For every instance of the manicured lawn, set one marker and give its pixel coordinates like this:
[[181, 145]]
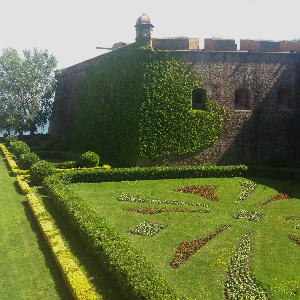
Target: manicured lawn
[[27, 270], [275, 259]]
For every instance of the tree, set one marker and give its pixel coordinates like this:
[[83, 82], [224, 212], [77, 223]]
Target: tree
[[27, 87]]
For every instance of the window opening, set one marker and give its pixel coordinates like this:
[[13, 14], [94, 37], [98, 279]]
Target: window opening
[[199, 98], [242, 99], [284, 99]]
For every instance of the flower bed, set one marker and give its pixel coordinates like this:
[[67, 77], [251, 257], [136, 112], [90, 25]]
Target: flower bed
[[185, 249], [250, 186], [147, 229], [238, 283], [279, 196], [205, 191], [248, 215], [150, 211], [131, 198], [295, 240]]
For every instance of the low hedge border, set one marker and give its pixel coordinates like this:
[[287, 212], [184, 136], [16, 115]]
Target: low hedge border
[[75, 279], [25, 188], [10, 159]]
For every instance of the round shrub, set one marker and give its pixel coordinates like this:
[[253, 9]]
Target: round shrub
[[20, 148], [89, 160], [27, 160], [41, 170], [9, 139]]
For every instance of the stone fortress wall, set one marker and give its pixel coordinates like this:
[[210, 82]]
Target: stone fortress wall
[[258, 85]]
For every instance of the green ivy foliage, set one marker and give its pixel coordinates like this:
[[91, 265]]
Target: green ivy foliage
[[138, 103], [168, 123]]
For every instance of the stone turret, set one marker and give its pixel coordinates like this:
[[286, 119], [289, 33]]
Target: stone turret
[[143, 27]]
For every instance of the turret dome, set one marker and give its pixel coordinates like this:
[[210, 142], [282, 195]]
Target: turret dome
[[144, 19]]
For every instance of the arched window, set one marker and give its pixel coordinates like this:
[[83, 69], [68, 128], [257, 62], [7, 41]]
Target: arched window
[[199, 98], [284, 99], [242, 99]]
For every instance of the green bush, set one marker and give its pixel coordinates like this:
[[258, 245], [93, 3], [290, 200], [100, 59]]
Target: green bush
[[89, 160], [9, 139], [277, 160], [19, 148], [27, 160], [40, 170], [67, 164], [70, 155]]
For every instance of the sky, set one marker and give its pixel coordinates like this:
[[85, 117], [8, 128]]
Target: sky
[[71, 30]]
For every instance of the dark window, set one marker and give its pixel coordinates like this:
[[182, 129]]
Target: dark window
[[242, 99], [199, 98], [284, 99]]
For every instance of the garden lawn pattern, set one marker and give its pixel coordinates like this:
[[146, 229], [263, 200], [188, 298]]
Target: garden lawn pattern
[[276, 276]]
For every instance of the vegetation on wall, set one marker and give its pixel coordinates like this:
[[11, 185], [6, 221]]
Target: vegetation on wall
[[138, 103]]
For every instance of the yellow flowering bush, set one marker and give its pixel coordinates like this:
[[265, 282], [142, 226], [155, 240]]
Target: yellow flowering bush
[[25, 188], [73, 169], [74, 277]]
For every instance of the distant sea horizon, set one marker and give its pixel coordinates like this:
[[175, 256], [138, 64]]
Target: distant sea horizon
[[40, 130]]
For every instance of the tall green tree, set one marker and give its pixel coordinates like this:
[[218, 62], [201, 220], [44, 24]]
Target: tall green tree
[[27, 87]]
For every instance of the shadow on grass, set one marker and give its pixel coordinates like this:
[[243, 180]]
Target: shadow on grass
[[279, 185], [101, 281]]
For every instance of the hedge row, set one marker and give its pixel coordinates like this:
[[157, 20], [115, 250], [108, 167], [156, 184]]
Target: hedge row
[[76, 280], [135, 277], [131, 174]]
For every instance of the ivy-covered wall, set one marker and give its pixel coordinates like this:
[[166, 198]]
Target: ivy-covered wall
[[136, 103]]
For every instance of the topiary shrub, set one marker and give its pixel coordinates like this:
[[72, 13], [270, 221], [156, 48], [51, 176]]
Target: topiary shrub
[[9, 139], [40, 170], [27, 160], [19, 148], [277, 160], [89, 159]]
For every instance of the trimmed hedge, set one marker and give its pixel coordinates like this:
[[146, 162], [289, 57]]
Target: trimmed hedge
[[19, 148], [27, 160], [40, 170], [68, 156], [10, 139], [89, 159], [154, 173]]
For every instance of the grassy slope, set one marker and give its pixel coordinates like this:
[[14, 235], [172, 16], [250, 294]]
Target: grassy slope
[[27, 268], [275, 259]]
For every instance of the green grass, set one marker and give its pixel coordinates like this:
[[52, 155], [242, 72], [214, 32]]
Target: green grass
[[275, 259], [27, 269]]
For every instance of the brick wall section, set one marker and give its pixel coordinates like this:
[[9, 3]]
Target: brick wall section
[[209, 44], [266, 46], [219, 45], [175, 44], [287, 46], [246, 45]]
